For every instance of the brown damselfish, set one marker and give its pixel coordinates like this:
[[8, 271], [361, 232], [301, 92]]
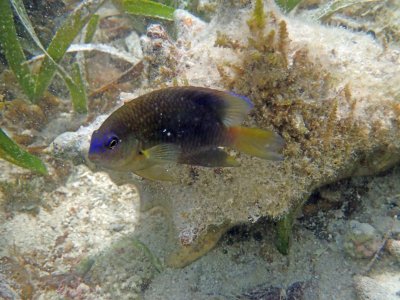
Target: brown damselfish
[[185, 125]]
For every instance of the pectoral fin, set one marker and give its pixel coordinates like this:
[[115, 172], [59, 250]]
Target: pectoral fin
[[156, 172], [162, 153]]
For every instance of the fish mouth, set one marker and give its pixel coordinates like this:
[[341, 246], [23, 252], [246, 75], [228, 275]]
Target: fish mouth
[[99, 161], [94, 157]]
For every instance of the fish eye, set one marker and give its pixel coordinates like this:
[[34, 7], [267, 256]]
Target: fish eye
[[114, 141]]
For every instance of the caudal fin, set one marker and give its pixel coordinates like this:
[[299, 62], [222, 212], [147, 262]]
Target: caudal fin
[[257, 142]]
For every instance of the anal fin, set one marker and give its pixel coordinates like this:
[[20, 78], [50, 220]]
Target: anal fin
[[155, 172], [214, 157]]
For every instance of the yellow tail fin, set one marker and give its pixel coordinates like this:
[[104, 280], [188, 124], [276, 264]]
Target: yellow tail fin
[[257, 142]]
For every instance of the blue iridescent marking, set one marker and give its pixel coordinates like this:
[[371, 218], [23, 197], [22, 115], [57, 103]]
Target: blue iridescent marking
[[246, 99], [95, 144]]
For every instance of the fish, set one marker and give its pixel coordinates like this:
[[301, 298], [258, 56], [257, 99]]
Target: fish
[[184, 125]]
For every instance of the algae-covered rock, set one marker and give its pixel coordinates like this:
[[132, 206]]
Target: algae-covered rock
[[333, 95]]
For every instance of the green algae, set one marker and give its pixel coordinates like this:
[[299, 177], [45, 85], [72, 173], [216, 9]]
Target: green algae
[[287, 5], [146, 8], [13, 50], [35, 85], [78, 91], [155, 261], [331, 8], [91, 28], [257, 20], [11, 152], [84, 266], [284, 233], [63, 38]]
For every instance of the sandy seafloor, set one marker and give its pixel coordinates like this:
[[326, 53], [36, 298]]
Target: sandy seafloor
[[92, 217]]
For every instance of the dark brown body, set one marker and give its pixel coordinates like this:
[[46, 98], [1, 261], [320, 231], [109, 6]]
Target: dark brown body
[[187, 125], [171, 116]]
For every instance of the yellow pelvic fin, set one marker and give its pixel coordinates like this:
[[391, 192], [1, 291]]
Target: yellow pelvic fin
[[162, 153], [156, 172], [257, 142]]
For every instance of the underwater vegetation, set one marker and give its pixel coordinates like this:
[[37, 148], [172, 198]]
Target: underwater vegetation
[[146, 8], [11, 152], [380, 19], [35, 81], [288, 5]]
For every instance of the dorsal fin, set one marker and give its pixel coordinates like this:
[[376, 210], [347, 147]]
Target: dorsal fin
[[236, 110]]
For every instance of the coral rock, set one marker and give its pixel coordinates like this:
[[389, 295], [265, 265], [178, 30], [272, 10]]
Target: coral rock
[[332, 94], [329, 92]]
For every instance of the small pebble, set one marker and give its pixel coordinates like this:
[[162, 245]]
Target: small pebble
[[362, 240], [117, 227], [393, 247]]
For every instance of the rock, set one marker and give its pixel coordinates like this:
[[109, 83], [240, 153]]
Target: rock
[[207, 6], [117, 227], [393, 247], [75, 145], [362, 240], [302, 290], [62, 123], [188, 26], [132, 42], [383, 286], [264, 293], [6, 292], [161, 53], [328, 79], [296, 291]]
